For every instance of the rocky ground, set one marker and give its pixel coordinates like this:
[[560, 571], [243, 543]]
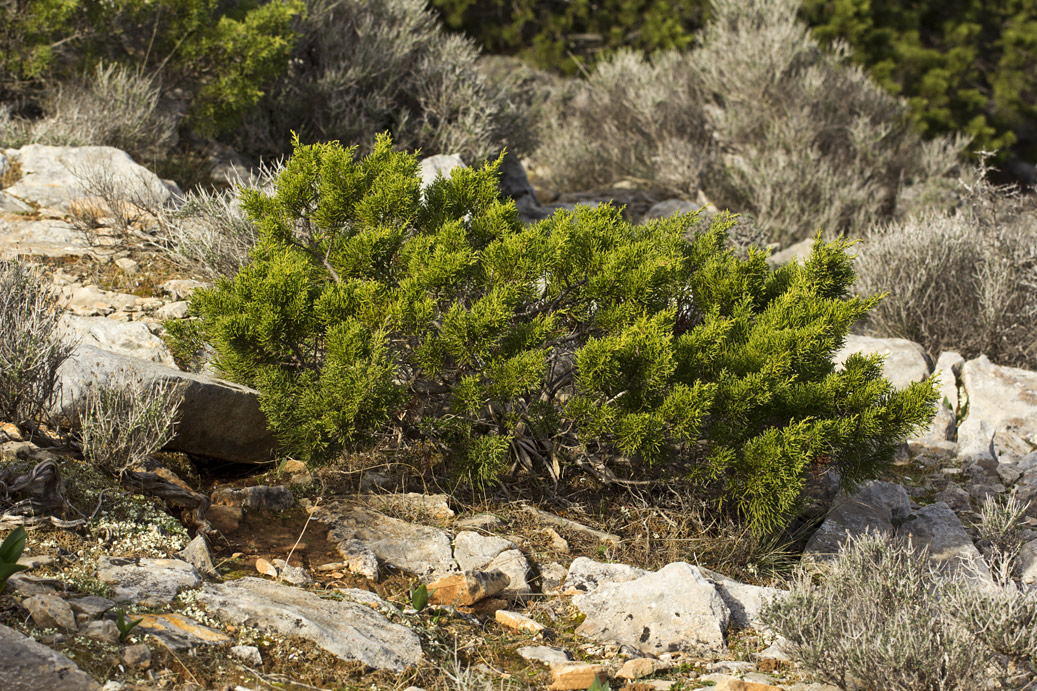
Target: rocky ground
[[245, 575]]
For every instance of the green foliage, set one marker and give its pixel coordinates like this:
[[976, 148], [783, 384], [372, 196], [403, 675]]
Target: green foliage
[[375, 312], [567, 36], [963, 66], [419, 596], [223, 55], [125, 625], [10, 551]]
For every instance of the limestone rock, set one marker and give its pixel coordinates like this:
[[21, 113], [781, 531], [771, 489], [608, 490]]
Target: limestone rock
[[513, 564], [358, 558], [91, 605], [420, 550], [247, 653], [474, 551], [955, 497], [797, 252], [132, 339], [42, 238], [675, 609], [197, 555], [151, 582], [137, 656], [576, 675], [218, 419], [640, 667], [1005, 398], [517, 622], [905, 361], [179, 633], [440, 164], [53, 176], [103, 630], [479, 521], [26, 665], [937, 529], [876, 506], [552, 575], [466, 588], [744, 600], [181, 288], [735, 684], [1026, 563], [348, 630], [976, 442], [544, 654], [50, 612], [257, 498], [669, 208], [585, 575]]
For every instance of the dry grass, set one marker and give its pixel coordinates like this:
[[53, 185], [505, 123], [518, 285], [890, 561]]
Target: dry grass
[[963, 280]]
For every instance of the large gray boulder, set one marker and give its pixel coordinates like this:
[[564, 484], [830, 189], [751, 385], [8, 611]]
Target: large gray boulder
[[26, 665], [675, 609], [1005, 398], [416, 549], [348, 630], [218, 419], [877, 507], [53, 176], [905, 361]]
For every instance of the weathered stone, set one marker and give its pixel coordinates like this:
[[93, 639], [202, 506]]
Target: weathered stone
[[466, 588], [132, 339], [513, 564], [197, 555], [937, 529], [669, 208], [218, 419], [180, 633], [876, 507], [744, 600], [568, 524], [976, 442], [137, 656], [103, 630], [675, 609], [293, 575], [544, 654], [180, 288], [247, 653], [26, 665], [53, 176], [424, 505], [474, 551], [735, 684], [50, 612], [905, 361], [257, 498], [439, 165], [480, 521], [172, 310], [358, 558], [151, 582], [796, 252], [585, 575], [416, 549], [224, 519], [552, 575], [91, 605], [1026, 563], [517, 622], [345, 629], [576, 675], [641, 667], [955, 497], [42, 238], [1005, 398], [514, 184]]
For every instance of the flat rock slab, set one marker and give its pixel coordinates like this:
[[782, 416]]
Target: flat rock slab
[[348, 630], [585, 575], [905, 361], [151, 582], [41, 238], [53, 176], [675, 609], [26, 665], [132, 339], [180, 633], [937, 529], [877, 507], [218, 419], [417, 549], [1005, 398], [474, 551]]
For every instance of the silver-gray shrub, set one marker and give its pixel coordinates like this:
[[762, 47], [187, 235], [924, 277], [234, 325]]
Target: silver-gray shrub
[[31, 348], [124, 422], [757, 116], [362, 68], [880, 617], [963, 279]]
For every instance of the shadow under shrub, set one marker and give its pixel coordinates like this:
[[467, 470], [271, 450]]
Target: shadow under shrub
[[963, 280], [372, 312]]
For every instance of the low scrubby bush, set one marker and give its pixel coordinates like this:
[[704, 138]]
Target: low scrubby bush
[[123, 423], [757, 116], [963, 280], [361, 68], [31, 348], [882, 617], [374, 311]]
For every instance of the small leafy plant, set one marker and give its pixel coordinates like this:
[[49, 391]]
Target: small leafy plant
[[419, 596], [10, 551], [124, 624]]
